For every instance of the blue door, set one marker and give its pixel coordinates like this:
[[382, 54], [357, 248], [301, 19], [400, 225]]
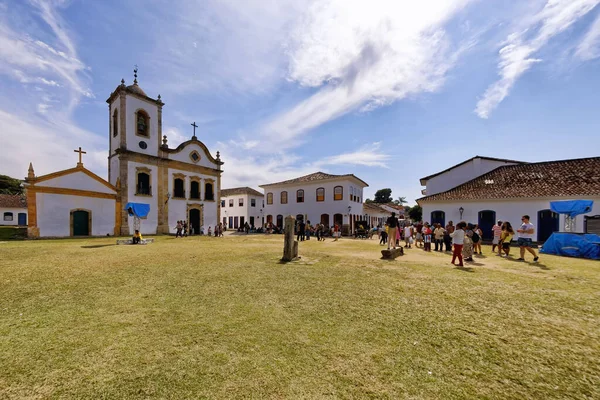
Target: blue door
[[22, 219], [487, 219], [438, 217]]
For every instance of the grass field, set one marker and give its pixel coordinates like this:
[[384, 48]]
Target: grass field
[[222, 318]]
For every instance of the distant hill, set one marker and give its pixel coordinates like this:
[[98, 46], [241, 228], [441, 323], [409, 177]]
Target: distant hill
[[10, 185]]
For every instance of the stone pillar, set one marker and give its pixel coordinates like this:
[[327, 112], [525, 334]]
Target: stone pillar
[[290, 246]]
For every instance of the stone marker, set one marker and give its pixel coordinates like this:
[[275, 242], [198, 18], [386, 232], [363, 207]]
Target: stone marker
[[290, 246], [392, 253]]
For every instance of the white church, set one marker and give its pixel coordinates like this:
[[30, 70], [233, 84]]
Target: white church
[[173, 184]]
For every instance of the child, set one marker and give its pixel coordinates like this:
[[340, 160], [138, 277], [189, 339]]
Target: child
[[137, 237], [209, 231], [505, 238], [477, 239], [408, 233], [458, 238], [426, 231], [336, 231], [383, 237]]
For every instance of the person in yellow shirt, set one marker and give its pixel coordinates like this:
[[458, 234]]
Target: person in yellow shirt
[[137, 237], [505, 238]]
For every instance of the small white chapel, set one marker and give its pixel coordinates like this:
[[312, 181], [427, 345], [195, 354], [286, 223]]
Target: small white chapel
[[171, 184]]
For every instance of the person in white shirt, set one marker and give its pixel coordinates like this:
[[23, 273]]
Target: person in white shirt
[[458, 239], [408, 232], [526, 238]]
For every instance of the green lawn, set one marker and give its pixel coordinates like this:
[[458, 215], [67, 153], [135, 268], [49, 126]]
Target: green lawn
[[222, 318]]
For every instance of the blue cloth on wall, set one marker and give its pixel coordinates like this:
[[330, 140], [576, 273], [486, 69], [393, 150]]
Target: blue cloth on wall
[[573, 245], [572, 207], [139, 209]]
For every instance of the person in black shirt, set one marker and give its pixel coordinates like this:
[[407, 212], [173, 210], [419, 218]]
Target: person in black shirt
[[392, 223]]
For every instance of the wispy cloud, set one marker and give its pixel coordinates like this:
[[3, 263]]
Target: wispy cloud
[[517, 53], [368, 156], [589, 48]]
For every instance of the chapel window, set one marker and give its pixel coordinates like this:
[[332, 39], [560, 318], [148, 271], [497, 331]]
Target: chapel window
[[269, 198], [178, 188], [283, 197], [300, 196], [8, 216], [338, 193], [230, 202], [321, 194], [115, 123], [143, 184], [208, 192], [142, 123], [195, 190]]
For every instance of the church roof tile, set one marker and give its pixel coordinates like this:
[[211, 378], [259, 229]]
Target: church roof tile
[[563, 178]]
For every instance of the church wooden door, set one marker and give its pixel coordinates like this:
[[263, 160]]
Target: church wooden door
[[194, 220], [81, 223]]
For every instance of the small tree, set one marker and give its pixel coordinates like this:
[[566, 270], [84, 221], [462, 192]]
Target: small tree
[[415, 213], [10, 185], [383, 196]]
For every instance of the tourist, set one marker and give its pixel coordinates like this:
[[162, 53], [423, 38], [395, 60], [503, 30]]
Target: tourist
[[419, 234], [307, 230], [526, 238], [178, 229], [477, 239], [506, 238], [336, 231], [301, 226], [448, 235], [408, 236], [458, 237], [467, 251], [426, 231], [209, 233], [185, 228], [246, 228], [383, 237], [392, 223], [137, 237], [497, 230], [438, 235]]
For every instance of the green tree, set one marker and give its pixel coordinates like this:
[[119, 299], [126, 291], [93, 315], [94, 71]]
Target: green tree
[[415, 213], [10, 185], [368, 201], [383, 196]]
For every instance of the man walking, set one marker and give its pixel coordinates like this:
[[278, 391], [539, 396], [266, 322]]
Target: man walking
[[526, 238], [392, 223], [448, 236]]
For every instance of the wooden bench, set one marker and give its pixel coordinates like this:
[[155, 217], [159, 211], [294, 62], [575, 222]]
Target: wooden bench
[[130, 241], [392, 253]]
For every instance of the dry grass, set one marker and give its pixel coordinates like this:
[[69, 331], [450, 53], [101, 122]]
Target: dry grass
[[222, 318]]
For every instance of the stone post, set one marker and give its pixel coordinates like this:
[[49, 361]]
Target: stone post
[[290, 246]]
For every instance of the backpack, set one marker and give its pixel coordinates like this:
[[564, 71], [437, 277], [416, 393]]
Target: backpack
[[475, 237]]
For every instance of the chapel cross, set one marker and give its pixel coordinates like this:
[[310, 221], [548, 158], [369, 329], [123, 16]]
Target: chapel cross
[[195, 126], [80, 164]]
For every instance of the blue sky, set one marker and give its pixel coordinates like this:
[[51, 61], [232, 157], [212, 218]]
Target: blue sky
[[388, 90]]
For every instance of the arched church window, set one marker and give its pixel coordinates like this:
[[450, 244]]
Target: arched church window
[[142, 123], [115, 123], [178, 188], [208, 191], [142, 185]]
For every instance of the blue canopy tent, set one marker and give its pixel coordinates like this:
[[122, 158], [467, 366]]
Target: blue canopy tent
[[137, 211], [569, 243]]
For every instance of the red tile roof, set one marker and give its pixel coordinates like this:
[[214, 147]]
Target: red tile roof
[[12, 201], [240, 190], [564, 178], [317, 176], [424, 180]]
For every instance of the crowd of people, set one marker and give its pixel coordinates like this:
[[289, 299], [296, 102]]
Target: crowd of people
[[463, 240], [183, 229]]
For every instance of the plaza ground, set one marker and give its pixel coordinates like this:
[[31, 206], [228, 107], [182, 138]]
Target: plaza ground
[[222, 318]]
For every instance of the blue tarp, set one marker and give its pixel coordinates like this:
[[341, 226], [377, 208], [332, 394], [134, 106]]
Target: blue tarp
[[573, 245], [139, 209], [572, 207]]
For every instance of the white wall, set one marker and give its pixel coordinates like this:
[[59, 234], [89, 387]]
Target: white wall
[[462, 174], [78, 180], [114, 141], [54, 214], [245, 211], [178, 207], [184, 156], [132, 105], [311, 208], [506, 210], [114, 170], [15, 212], [148, 225]]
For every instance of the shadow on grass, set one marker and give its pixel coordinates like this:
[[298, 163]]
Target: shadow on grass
[[97, 246], [465, 269]]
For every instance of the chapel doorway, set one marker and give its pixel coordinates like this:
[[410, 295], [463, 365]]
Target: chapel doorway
[[547, 224], [487, 220], [194, 219], [438, 217], [80, 223]]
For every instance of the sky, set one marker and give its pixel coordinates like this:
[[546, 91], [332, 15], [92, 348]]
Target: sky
[[388, 90]]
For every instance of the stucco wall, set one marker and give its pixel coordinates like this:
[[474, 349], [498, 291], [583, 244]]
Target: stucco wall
[[506, 210], [133, 104], [149, 224], [114, 141], [184, 156], [53, 214], [178, 207], [245, 211], [77, 180], [462, 174], [15, 212]]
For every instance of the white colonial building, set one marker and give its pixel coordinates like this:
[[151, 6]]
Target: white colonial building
[[319, 197], [241, 205], [13, 210], [180, 183], [486, 190]]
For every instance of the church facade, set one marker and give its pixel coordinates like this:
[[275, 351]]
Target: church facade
[[181, 183]]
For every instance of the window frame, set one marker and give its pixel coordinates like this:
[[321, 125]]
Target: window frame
[[175, 179], [322, 196], [230, 202], [240, 202], [147, 116], [269, 198], [7, 215], [300, 199], [341, 194], [252, 202], [281, 197]]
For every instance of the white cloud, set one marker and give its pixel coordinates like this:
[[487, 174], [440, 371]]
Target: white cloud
[[516, 55], [589, 48], [368, 156]]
